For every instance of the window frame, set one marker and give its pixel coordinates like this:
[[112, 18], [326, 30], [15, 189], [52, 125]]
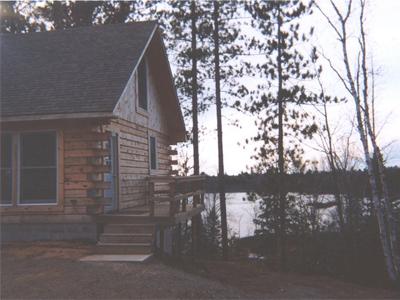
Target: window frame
[[12, 170], [19, 148], [16, 156], [140, 109], [155, 154]]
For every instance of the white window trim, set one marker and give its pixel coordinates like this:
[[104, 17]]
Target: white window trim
[[19, 169]]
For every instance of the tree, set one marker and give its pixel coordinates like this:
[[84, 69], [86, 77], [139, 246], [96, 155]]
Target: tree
[[67, 14], [225, 71], [12, 21], [277, 102], [357, 85], [184, 27], [221, 171], [211, 230]]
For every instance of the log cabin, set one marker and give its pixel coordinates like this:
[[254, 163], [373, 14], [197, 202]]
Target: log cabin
[[89, 122]]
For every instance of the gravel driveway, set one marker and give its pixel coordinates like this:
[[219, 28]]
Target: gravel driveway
[[53, 271]]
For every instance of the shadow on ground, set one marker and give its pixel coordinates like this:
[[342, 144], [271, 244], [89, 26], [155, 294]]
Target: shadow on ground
[[53, 270]]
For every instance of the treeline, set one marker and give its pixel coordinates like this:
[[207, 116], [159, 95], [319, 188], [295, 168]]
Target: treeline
[[311, 182]]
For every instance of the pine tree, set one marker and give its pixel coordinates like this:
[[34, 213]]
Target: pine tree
[[69, 14], [282, 123], [13, 21]]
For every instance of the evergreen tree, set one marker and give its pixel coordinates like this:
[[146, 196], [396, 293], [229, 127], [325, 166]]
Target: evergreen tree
[[282, 122], [62, 14], [224, 39], [13, 21]]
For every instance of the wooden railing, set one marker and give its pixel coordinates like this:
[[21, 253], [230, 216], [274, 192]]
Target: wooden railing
[[183, 193]]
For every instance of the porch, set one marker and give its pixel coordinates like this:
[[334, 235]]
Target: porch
[[170, 201]]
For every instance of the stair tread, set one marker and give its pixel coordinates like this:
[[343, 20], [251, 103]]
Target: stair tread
[[127, 234], [130, 224], [130, 215], [123, 244]]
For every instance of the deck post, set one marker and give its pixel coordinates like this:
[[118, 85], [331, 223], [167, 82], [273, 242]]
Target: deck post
[[161, 249], [178, 248], [195, 235], [184, 202], [172, 203]]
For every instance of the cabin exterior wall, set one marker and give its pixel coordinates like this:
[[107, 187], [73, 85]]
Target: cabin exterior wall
[[134, 164], [135, 126], [71, 217]]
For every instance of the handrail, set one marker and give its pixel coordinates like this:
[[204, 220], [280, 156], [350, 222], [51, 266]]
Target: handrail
[[180, 188], [167, 178]]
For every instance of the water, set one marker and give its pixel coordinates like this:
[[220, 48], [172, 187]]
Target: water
[[240, 213]]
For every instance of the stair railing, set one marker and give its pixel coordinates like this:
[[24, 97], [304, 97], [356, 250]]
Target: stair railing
[[176, 190]]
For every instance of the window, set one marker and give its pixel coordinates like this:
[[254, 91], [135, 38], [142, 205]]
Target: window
[[6, 169], [142, 84], [38, 168], [153, 153]]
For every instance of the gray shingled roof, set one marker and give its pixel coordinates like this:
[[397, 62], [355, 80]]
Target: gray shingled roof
[[80, 70]]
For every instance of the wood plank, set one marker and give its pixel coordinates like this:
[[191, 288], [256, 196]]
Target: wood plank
[[87, 136], [87, 169], [75, 161], [134, 157], [80, 145], [121, 123], [81, 193], [134, 190], [31, 208], [133, 170], [87, 153], [133, 138], [87, 201], [49, 217], [79, 210], [134, 145], [134, 163], [128, 150], [84, 185]]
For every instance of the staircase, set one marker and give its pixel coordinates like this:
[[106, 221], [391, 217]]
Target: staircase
[[127, 234]]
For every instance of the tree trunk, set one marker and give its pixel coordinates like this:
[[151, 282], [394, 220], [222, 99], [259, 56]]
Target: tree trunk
[[224, 226], [281, 158], [383, 234], [196, 168]]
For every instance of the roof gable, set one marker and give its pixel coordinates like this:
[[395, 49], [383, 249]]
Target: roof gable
[[80, 70]]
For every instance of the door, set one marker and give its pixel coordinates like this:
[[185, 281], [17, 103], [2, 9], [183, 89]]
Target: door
[[112, 177]]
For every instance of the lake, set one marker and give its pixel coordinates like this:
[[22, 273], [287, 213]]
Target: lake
[[241, 212]]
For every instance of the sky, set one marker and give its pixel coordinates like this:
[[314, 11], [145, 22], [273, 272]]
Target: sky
[[384, 42]]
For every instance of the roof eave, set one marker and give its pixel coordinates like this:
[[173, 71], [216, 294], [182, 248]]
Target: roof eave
[[50, 117]]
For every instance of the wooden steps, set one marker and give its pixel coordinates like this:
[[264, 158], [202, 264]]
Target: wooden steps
[[128, 228], [126, 233], [126, 238], [124, 248], [126, 219]]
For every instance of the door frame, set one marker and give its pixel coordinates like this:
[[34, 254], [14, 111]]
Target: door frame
[[114, 159]]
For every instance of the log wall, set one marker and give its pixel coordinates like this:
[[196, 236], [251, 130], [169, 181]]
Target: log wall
[[134, 165], [81, 165]]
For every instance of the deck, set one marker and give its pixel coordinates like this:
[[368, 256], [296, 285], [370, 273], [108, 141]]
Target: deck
[[171, 200]]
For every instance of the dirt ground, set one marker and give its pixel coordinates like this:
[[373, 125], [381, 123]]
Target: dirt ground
[[53, 271]]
